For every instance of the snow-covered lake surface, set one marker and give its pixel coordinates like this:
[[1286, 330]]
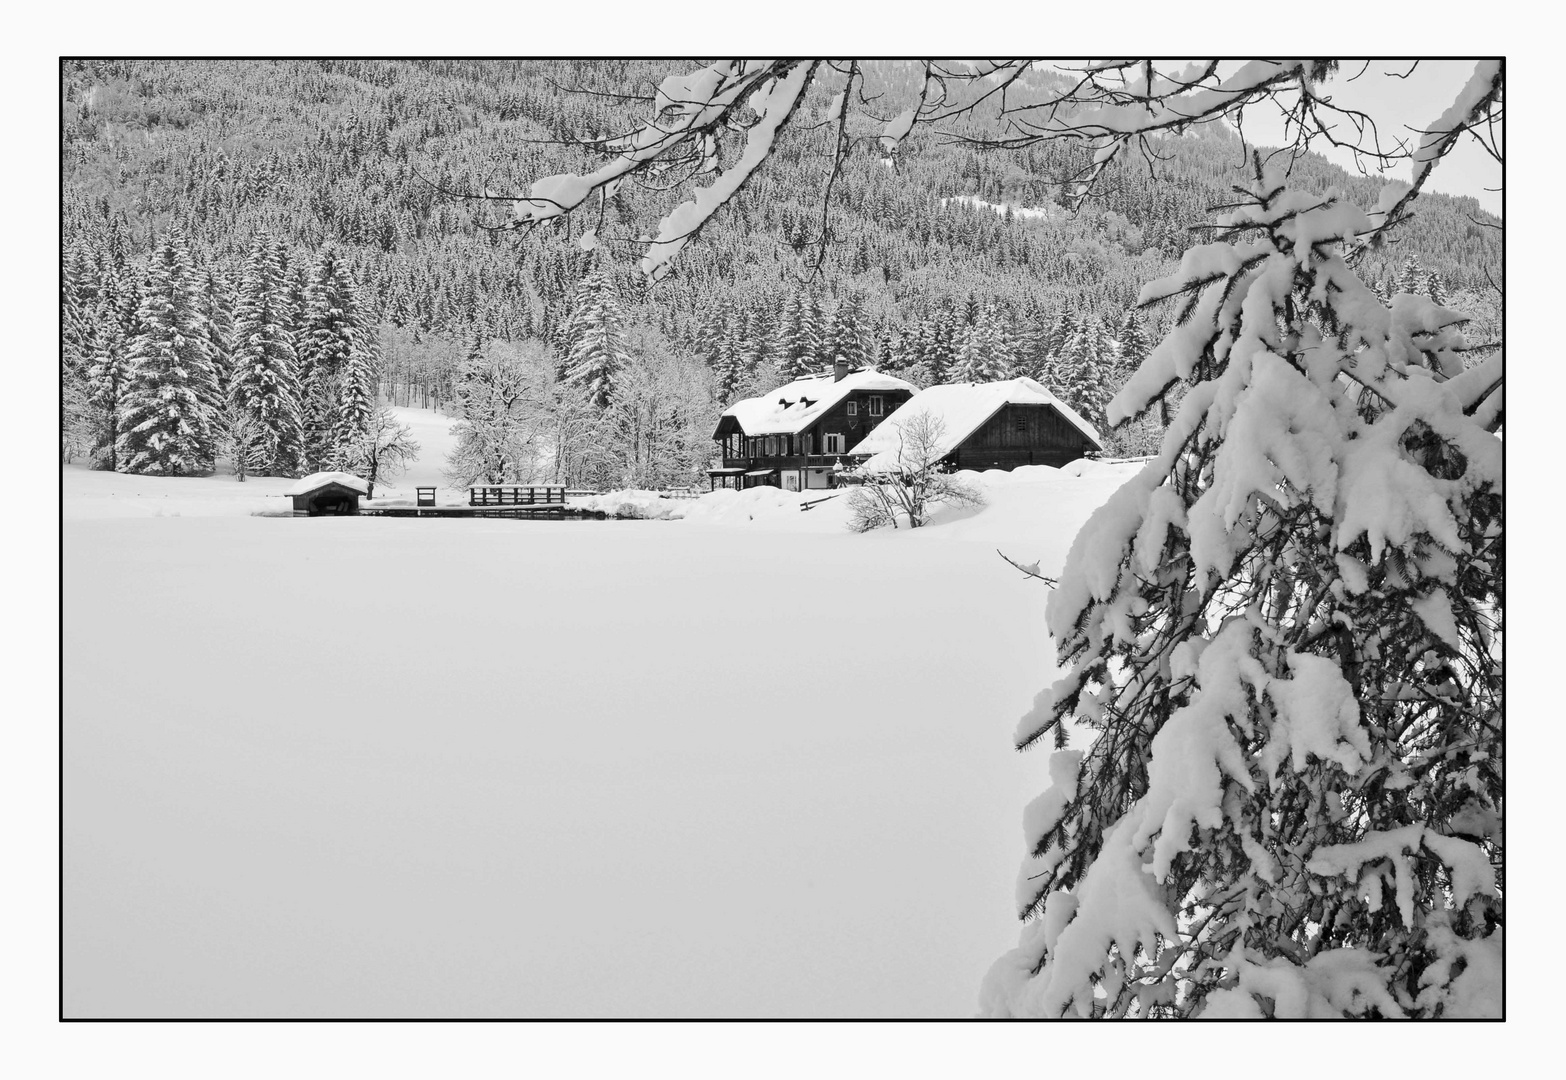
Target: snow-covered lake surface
[[743, 764]]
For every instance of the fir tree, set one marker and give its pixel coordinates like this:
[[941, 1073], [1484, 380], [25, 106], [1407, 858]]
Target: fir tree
[[105, 385], [330, 329], [1061, 332], [76, 350], [264, 386], [356, 401], [1082, 376], [984, 356], [1412, 279], [597, 339], [216, 307], [1283, 637], [165, 426], [846, 337], [1133, 342]]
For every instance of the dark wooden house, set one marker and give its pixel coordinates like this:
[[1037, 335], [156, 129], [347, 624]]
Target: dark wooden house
[[999, 425], [328, 493], [795, 436]]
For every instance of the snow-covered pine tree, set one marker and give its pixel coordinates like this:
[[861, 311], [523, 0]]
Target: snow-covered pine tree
[[846, 336], [944, 346], [1061, 331], [114, 328], [105, 383], [1283, 637], [165, 425], [264, 384], [217, 307], [1434, 288], [757, 349], [984, 356], [1412, 279], [1082, 375], [356, 400], [798, 347], [597, 338], [1133, 342], [1033, 359], [76, 351], [330, 329]]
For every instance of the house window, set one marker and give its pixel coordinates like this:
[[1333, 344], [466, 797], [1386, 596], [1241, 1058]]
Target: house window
[[834, 443], [1021, 421], [875, 405], [853, 408]]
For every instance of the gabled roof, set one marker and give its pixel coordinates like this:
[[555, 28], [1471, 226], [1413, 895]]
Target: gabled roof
[[315, 481], [963, 408], [790, 409]]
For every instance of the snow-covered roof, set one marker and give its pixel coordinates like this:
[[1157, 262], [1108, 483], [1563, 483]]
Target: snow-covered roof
[[962, 409], [791, 409], [314, 481]]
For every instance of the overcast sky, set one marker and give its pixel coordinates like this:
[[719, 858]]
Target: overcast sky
[[1398, 105]]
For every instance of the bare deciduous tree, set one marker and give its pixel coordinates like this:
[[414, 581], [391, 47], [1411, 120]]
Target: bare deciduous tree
[[384, 449], [909, 483]]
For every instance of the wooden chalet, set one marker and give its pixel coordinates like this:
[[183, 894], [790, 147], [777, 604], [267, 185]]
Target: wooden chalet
[[327, 493], [998, 425], [794, 437]]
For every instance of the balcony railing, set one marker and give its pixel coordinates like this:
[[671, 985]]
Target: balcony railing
[[785, 461]]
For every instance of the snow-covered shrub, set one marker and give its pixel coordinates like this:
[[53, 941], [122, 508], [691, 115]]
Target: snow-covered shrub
[[1284, 636]]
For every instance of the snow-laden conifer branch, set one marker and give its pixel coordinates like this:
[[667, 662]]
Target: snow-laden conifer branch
[[1284, 637]]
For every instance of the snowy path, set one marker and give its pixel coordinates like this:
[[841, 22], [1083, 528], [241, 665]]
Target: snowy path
[[755, 773]]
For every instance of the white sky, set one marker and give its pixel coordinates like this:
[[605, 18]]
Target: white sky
[[1399, 104], [1402, 97]]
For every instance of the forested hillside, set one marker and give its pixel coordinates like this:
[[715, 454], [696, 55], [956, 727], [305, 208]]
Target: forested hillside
[[954, 261]]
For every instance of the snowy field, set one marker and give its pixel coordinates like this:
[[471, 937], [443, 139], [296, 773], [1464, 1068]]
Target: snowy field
[[741, 764]]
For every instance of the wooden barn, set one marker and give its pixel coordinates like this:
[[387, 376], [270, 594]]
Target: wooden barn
[[999, 425], [328, 493], [794, 436]]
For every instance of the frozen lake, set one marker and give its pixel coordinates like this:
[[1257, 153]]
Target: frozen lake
[[378, 767]]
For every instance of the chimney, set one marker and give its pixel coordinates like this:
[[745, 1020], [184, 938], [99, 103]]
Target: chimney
[[839, 369]]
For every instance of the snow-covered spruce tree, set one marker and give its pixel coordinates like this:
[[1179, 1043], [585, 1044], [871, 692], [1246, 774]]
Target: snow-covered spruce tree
[[165, 426], [216, 308], [355, 399], [77, 346], [984, 356], [109, 366], [263, 382], [596, 338], [1132, 347], [1082, 376], [1284, 637], [330, 328], [845, 337]]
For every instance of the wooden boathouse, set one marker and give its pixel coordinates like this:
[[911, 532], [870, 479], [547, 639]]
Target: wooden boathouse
[[327, 494]]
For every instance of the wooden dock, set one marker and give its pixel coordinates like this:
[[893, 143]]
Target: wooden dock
[[489, 501], [546, 510]]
